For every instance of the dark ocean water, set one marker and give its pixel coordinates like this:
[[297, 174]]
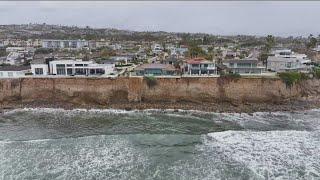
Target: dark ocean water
[[154, 144]]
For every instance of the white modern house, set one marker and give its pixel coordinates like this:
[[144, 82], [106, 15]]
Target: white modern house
[[40, 69], [64, 44], [72, 68], [287, 60]]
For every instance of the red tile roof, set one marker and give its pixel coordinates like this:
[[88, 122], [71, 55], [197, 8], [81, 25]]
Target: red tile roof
[[195, 60]]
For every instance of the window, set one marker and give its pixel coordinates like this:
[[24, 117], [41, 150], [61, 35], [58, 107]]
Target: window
[[61, 70], [288, 65], [60, 65], [69, 71], [10, 74], [38, 71], [1, 74], [80, 71], [100, 71], [244, 64], [66, 44]]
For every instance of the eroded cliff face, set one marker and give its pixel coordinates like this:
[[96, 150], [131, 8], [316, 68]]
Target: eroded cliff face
[[104, 91]]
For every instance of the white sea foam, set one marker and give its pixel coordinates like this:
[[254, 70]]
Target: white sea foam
[[67, 158], [271, 154], [151, 110]]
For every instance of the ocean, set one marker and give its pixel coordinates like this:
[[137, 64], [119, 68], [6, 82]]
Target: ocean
[[158, 144]]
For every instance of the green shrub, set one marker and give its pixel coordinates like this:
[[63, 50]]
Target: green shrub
[[304, 76], [123, 65], [231, 75], [316, 73], [151, 81], [289, 78], [222, 73], [28, 74]]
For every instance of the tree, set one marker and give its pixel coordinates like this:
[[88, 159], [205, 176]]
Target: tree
[[270, 43], [263, 57], [3, 52], [195, 51], [206, 40], [312, 42], [210, 49], [105, 53]]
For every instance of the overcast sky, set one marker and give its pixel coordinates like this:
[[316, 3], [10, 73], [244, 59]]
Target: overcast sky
[[224, 18]]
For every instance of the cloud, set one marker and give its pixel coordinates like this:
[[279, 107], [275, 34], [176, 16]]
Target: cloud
[[225, 17]]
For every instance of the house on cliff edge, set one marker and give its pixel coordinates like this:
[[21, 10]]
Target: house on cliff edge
[[13, 71], [63, 67], [244, 66], [200, 66], [155, 70]]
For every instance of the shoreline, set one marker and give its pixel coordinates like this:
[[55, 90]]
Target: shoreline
[[223, 107]]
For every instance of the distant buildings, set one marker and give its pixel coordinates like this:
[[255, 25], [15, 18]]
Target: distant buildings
[[317, 49], [65, 44], [181, 50], [287, 60], [230, 54], [157, 48], [20, 43], [172, 60], [99, 44], [15, 49], [18, 55]]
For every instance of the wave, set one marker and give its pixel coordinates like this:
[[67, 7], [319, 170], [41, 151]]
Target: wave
[[298, 120], [220, 155], [121, 111], [271, 154]]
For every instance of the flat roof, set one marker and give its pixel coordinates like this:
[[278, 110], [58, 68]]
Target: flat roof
[[283, 59], [14, 68], [242, 60], [156, 66]]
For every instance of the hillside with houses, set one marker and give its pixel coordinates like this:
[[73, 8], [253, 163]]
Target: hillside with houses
[[35, 50]]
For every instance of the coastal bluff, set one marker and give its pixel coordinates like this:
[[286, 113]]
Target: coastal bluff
[[105, 91]]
